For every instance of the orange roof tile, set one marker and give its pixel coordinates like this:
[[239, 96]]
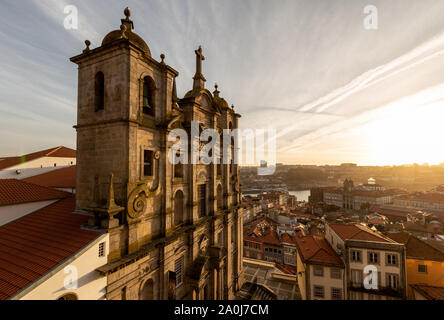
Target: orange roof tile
[[13, 191], [416, 248], [60, 152], [60, 178], [429, 292], [33, 245], [314, 250], [357, 232]]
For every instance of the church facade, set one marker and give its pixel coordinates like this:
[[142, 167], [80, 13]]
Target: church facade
[[175, 230]]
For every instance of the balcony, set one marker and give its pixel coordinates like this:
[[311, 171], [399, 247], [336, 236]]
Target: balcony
[[385, 291]]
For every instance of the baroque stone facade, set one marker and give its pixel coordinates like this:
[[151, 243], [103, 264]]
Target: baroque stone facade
[[175, 230]]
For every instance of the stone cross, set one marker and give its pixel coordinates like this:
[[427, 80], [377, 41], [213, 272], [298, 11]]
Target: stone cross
[[199, 59]]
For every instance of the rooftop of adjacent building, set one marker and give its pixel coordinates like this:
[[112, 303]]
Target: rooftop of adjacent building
[[358, 232], [13, 191], [419, 249], [32, 246], [316, 250], [429, 292], [59, 152], [60, 178]]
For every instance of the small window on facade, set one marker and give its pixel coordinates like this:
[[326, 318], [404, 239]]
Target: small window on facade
[[392, 259], [373, 257], [233, 234], [335, 273], [99, 92], [124, 293], [336, 294], [178, 168], [318, 271], [201, 193], [178, 266], [148, 163], [148, 97], [392, 281], [101, 249], [356, 256], [422, 268], [318, 291]]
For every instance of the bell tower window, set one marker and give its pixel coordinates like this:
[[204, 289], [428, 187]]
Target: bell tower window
[[99, 92], [148, 97], [148, 163]]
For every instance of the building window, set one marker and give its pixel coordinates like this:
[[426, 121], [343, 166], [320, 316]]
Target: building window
[[335, 273], [233, 234], [202, 199], [220, 239], [336, 294], [422, 268], [318, 291], [148, 96], [178, 268], [101, 249], [99, 92], [356, 277], [356, 256], [373, 257], [318, 271], [392, 281], [391, 260], [147, 163]]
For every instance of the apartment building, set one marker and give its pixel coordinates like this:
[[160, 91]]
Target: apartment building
[[363, 252], [320, 270]]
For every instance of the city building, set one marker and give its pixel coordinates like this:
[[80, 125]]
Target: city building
[[356, 198], [320, 269], [424, 261], [174, 230], [360, 247]]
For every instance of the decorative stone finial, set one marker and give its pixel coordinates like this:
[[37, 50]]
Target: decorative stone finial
[[232, 107], [123, 29], [216, 92], [162, 56], [88, 43], [127, 21], [127, 13]]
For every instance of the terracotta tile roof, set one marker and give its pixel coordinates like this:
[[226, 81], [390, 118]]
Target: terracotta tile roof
[[13, 191], [314, 250], [429, 292], [357, 232], [272, 238], [32, 246], [60, 178], [416, 248], [60, 152], [288, 238]]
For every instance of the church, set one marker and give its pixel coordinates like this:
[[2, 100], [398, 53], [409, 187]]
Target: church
[[175, 230]]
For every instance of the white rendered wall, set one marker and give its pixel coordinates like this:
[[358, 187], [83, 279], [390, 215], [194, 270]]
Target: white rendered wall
[[90, 286]]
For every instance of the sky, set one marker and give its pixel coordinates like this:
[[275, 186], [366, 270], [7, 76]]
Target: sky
[[334, 91]]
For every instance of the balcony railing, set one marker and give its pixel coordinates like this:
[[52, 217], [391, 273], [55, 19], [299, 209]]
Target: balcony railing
[[386, 291]]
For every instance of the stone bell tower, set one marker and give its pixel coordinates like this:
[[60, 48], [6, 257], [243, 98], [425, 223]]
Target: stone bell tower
[[124, 98]]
